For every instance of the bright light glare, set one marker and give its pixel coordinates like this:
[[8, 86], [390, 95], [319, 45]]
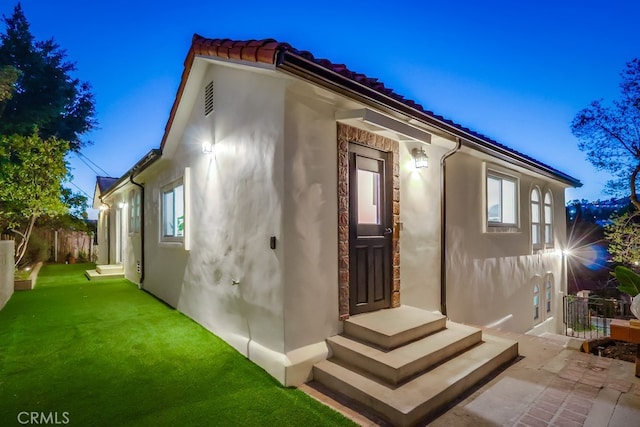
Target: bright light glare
[[207, 147]]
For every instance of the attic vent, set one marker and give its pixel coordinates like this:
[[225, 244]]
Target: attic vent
[[208, 99]]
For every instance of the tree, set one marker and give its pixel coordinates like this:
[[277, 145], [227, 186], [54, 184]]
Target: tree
[[623, 235], [32, 171], [47, 97], [8, 78], [610, 135]]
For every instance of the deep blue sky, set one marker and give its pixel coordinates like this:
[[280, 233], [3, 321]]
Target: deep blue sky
[[516, 71]]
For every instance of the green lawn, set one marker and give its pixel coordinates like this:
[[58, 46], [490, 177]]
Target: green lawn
[[108, 354]]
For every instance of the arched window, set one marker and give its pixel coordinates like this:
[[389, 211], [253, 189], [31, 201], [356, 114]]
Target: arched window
[[536, 302], [548, 219], [548, 291], [535, 217]]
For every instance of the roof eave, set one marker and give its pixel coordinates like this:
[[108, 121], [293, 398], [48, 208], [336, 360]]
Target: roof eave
[[140, 165], [297, 65]]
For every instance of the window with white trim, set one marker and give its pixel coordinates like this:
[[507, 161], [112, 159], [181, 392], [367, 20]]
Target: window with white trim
[[173, 212], [536, 302], [134, 211], [535, 218], [548, 219], [502, 200], [548, 292]]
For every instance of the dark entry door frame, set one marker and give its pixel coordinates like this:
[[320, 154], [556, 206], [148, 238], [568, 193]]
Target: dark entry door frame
[[370, 229]]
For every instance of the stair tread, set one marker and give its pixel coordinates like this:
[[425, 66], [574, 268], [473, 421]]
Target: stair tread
[[414, 393], [394, 321], [409, 353], [109, 268], [95, 275]]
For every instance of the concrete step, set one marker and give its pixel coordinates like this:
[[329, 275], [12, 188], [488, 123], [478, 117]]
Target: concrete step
[[403, 362], [422, 396], [110, 268], [394, 327], [94, 275]]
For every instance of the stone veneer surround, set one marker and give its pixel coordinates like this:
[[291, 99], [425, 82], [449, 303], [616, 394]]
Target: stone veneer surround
[[347, 134]]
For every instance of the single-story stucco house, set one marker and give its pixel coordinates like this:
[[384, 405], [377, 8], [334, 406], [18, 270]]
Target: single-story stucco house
[[292, 199]]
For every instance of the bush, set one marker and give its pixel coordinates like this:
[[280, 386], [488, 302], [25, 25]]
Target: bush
[[37, 250]]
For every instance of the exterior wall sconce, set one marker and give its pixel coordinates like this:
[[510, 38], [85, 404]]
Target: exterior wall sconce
[[420, 157], [122, 205], [207, 147]]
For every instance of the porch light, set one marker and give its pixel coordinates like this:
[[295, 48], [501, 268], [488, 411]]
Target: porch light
[[122, 205], [207, 147], [420, 157]]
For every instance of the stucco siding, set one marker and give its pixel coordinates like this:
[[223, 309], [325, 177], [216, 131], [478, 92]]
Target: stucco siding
[[490, 275], [311, 223], [420, 231], [6, 271], [230, 280]]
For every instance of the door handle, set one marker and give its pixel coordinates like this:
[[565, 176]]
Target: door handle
[[388, 230]]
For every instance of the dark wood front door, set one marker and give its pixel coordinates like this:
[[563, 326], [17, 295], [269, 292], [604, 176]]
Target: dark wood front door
[[370, 229]]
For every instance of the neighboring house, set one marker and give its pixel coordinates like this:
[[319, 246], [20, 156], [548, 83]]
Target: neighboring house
[[286, 196]]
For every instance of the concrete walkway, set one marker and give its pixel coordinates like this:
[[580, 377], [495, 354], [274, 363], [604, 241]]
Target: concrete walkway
[[550, 385]]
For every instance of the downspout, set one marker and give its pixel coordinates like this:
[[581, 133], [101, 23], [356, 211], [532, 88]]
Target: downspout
[[443, 228], [141, 227]]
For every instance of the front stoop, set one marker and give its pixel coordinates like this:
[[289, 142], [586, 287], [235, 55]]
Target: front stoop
[[102, 272], [405, 375]]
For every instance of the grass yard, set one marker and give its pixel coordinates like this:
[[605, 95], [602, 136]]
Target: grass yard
[[107, 354]]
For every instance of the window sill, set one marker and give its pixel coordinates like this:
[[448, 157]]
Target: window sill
[[171, 245], [493, 229]]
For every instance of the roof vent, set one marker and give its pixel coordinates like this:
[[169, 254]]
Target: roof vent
[[208, 99]]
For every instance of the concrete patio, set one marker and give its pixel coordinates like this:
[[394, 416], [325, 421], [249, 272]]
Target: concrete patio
[[551, 384]]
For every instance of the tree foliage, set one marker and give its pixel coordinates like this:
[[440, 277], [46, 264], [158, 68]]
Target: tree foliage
[[623, 236], [46, 96], [32, 171], [8, 78], [610, 134]]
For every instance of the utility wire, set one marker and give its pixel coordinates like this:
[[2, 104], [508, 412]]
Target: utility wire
[[82, 157], [81, 190]]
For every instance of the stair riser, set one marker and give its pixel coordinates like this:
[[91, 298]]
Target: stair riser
[[390, 342], [460, 387], [393, 375], [431, 404], [356, 394]]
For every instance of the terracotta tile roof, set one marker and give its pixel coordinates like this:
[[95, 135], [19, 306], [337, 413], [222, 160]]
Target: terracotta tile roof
[[252, 50], [279, 54]]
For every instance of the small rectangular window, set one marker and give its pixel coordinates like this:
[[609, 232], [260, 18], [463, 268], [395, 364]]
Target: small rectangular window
[[173, 213], [502, 200]]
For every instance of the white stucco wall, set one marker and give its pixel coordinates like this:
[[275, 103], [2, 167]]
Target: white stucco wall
[[6, 270], [310, 227], [236, 206], [421, 224], [490, 276], [131, 251], [103, 236]]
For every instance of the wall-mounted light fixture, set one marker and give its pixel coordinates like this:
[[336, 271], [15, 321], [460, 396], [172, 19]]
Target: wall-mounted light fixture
[[207, 147], [122, 205], [420, 157]]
